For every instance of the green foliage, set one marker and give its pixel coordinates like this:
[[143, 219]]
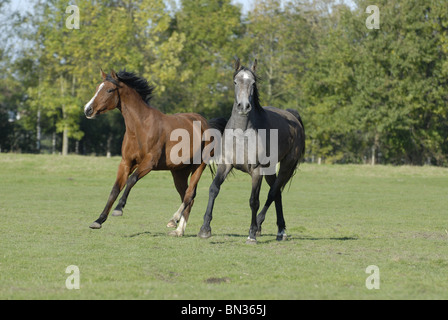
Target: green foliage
[[362, 93], [211, 30]]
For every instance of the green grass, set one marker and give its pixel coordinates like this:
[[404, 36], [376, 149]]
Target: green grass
[[340, 220]]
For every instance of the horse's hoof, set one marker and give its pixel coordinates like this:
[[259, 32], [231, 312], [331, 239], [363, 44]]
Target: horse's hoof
[[204, 234], [95, 225], [282, 237], [251, 241], [117, 213], [171, 224], [175, 233]]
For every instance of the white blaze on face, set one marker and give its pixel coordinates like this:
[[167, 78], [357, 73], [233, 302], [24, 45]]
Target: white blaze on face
[[94, 97], [246, 75]]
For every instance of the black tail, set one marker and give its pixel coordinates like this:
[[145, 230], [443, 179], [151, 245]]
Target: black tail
[[218, 124], [296, 114]]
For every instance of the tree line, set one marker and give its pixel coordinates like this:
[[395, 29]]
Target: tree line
[[365, 95]]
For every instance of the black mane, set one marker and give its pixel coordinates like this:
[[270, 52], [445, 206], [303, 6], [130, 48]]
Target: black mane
[[256, 96], [139, 84]]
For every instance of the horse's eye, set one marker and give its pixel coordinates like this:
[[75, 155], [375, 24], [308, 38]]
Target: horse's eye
[[110, 90]]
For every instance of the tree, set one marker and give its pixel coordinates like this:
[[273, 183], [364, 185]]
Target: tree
[[278, 36], [211, 30], [401, 87]]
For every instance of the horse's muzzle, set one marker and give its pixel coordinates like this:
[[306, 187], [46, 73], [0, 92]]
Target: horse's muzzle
[[88, 112], [244, 108]]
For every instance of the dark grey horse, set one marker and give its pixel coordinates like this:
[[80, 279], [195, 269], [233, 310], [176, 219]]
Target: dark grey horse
[[249, 117]]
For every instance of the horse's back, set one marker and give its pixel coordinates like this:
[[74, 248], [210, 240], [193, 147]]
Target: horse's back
[[184, 121], [288, 114], [285, 120], [291, 131], [190, 116]]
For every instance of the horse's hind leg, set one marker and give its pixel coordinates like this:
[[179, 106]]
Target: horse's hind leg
[[281, 235], [176, 217], [180, 178], [274, 194], [188, 200], [270, 179]]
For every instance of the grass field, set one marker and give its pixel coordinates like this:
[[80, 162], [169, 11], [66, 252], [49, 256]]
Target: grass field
[[340, 220]]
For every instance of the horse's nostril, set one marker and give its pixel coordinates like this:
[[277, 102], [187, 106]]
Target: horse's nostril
[[88, 111]]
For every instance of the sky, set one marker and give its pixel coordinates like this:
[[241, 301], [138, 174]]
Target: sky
[[247, 4]]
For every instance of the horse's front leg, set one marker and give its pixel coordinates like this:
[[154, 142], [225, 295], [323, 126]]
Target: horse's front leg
[[254, 202], [221, 174], [141, 170], [188, 200], [118, 211], [123, 172]]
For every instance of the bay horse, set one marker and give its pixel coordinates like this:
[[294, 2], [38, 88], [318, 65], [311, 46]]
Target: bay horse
[[146, 144], [248, 115]]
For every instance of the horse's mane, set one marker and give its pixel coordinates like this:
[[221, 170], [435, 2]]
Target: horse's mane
[[256, 95], [135, 82]]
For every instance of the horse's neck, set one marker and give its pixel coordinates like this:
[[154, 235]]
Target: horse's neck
[[238, 121], [135, 111]]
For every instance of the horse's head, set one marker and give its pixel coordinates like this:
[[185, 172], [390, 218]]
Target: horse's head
[[246, 96], [107, 96]]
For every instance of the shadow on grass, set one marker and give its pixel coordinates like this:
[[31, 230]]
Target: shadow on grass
[[157, 235], [140, 234], [322, 238], [234, 235], [301, 238]]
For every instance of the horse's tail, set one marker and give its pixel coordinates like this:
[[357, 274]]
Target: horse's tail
[[293, 170], [296, 114], [218, 124]]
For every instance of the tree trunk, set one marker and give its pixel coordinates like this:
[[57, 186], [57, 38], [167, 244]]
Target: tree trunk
[[38, 127], [53, 143], [109, 143], [374, 148], [38, 130], [64, 116], [65, 142]]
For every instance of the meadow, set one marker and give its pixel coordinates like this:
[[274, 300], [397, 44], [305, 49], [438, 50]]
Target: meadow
[[340, 219]]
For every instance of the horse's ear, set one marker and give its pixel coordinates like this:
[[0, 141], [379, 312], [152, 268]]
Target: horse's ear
[[114, 74], [237, 63], [254, 66], [103, 74]]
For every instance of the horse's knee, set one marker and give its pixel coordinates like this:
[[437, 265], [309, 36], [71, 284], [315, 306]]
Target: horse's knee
[[254, 203], [214, 190]]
